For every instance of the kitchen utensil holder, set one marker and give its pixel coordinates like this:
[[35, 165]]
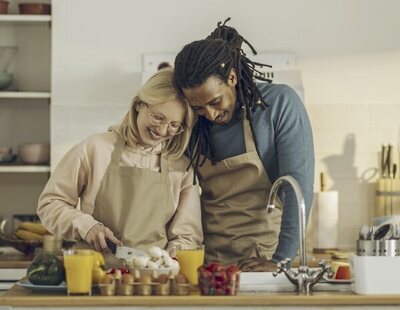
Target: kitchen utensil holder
[[387, 197], [374, 274], [367, 247], [389, 247]]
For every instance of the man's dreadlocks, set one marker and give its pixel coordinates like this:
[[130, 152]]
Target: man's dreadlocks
[[216, 56]]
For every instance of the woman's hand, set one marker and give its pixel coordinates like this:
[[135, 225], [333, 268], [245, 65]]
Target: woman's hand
[[257, 264], [97, 236]]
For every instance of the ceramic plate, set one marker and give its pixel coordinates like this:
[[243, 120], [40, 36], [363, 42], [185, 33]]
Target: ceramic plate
[[330, 280], [25, 283]]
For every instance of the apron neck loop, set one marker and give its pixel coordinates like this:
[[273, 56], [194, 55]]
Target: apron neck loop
[[117, 153], [164, 166], [248, 135]]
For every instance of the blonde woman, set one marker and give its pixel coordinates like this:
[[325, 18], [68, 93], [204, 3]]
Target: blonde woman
[[132, 181]]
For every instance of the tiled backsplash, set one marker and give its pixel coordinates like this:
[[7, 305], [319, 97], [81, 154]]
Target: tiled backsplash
[[348, 139]]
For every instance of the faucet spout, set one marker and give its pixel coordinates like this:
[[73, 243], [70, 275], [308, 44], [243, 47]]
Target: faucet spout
[[302, 210], [304, 279]]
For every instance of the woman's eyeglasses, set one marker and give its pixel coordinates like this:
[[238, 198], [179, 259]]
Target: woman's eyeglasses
[[174, 128]]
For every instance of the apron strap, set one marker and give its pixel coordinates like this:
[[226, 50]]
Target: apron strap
[[248, 135], [117, 153], [164, 168]]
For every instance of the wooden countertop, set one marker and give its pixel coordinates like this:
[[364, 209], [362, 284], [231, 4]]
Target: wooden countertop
[[11, 258], [18, 296]]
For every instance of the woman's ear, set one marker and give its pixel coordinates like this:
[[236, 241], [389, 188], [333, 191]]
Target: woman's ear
[[232, 78], [138, 105]]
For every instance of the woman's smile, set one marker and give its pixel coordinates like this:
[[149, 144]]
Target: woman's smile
[[153, 134]]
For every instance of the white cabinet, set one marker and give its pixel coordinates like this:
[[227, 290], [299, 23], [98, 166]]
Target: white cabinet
[[25, 108]]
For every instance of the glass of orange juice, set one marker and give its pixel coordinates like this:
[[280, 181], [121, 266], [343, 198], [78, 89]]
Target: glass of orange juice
[[78, 269], [190, 258]]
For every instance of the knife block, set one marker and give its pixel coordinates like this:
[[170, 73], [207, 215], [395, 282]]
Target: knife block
[[387, 197]]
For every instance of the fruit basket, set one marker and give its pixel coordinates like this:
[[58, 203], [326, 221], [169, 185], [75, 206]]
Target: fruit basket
[[27, 238], [25, 246]]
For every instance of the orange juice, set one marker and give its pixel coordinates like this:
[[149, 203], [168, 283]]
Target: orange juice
[[78, 268], [190, 258]]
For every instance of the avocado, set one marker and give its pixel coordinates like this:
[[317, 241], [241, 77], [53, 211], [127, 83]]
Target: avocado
[[46, 269]]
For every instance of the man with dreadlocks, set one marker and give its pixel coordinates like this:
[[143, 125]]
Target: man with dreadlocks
[[248, 134]]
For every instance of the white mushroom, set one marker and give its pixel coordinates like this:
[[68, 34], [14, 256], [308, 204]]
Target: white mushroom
[[155, 252], [168, 261], [159, 262], [164, 253], [174, 263], [151, 264], [140, 261]]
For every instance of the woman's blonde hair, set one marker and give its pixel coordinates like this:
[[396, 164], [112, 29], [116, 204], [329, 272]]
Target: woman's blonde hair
[[157, 90]]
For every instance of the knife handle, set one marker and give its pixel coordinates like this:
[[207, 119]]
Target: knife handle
[[112, 246], [384, 160], [390, 161]]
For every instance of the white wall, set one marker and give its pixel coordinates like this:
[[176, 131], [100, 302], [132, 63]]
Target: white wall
[[348, 51], [354, 105]]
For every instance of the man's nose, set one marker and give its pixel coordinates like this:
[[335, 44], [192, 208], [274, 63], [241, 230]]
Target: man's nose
[[210, 113]]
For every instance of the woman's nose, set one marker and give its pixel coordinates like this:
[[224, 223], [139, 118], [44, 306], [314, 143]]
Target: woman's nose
[[164, 129]]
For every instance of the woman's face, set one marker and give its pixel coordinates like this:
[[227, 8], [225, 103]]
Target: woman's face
[[168, 113], [214, 99]]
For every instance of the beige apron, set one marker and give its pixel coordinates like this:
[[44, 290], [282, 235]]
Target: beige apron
[[135, 203], [234, 200]]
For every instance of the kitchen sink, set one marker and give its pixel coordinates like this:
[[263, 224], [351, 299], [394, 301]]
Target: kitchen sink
[[266, 282]]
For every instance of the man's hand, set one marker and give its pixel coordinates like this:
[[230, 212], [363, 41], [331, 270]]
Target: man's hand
[[97, 236], [257, 264]]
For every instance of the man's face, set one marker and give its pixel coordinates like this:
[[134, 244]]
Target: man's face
[[214, 99]]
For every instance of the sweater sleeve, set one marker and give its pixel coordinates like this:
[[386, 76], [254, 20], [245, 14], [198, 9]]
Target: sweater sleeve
[[295, 156], [57, 205], [186, 226]]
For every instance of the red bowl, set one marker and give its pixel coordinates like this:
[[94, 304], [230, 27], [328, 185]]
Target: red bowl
[[34, 8], [3, 7]]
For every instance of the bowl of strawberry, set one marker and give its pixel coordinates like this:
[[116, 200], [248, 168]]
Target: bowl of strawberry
[[217, 279]]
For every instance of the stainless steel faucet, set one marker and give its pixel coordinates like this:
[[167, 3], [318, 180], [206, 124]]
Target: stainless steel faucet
[[304, 278]]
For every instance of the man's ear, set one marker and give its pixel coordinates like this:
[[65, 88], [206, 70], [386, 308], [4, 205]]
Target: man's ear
[[232, 78]]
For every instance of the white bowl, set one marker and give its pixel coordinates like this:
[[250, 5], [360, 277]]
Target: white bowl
[[35, 153]]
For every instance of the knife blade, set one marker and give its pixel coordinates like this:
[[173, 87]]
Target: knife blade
[[126, 252]]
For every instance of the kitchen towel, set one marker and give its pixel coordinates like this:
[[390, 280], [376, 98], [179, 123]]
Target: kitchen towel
[[326, 220]]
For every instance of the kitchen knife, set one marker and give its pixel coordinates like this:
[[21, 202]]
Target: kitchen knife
[[390, 161], [126, 252], [383, 160], [398, 149]]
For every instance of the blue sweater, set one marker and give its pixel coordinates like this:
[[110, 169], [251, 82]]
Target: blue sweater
[[285, 146]]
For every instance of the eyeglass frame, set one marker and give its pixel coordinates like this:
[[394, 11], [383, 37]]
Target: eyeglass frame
[[158, 123]]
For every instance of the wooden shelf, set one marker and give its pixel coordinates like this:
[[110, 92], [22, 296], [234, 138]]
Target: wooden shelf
[[25, 94], [22, 19], [24, 169]]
